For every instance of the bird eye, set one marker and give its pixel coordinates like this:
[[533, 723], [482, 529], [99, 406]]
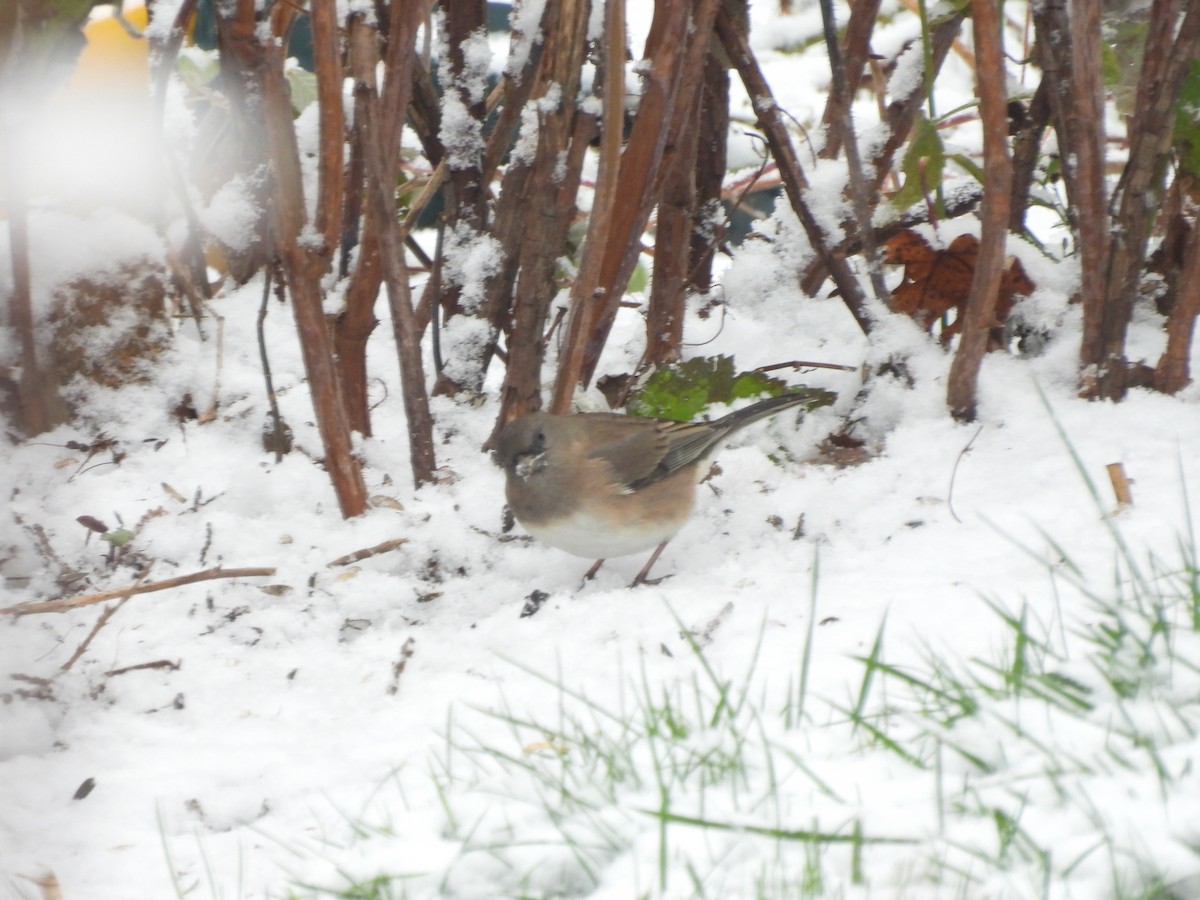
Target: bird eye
[[539, 440]]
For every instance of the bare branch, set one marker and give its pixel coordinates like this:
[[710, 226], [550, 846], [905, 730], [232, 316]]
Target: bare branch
[[997, 195], [68, 603], [368, 552], [795, 184], [331, 121], [108, 613]]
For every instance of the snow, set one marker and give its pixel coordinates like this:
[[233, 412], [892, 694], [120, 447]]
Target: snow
[[526, 21], [399, 716], [524, 148], [162, 23], [909, 73], [231, 216], [471, 258], [461, 133]]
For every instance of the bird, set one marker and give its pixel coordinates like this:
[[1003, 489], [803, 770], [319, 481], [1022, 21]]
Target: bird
[[601, 485]]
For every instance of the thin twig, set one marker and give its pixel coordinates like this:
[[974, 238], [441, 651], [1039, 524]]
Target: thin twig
[[954, 472], [435, 283], [66, 603], [368, 552], [1120, 483], [795, 183], [276, 421], [211, 413], [108, 613], [187, 284], [155, 664], [395, 277], [860, 202], [797, 364], [438, 176], [406, 652]]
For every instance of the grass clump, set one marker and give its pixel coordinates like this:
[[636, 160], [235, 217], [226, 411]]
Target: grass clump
[[1061, 765]]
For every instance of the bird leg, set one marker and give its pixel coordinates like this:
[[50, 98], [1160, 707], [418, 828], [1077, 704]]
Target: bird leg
[[641, 576], [591, 573]]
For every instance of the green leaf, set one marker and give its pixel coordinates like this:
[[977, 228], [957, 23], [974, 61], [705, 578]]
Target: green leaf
[[1187, 123], [681, 391], [923, 163], [198, 67], [304, 88], [118, 538], [638, 279], [1110, 66]]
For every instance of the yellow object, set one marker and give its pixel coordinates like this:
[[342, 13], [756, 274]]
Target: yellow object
[[112, 57]]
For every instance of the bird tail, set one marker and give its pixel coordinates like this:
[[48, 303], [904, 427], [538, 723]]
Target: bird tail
[[809, 398]]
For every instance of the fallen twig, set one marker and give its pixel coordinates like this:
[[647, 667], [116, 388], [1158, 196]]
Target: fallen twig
[[954, 474], [797, 364], [368, 552], [406, 652], [100, 623], [1120, 483], [65, 603], [156, 664], [51, 890]]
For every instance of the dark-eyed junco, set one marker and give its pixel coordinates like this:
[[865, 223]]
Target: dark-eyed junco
[[600, 485]]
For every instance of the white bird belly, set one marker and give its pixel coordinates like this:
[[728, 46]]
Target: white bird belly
[[592, 538]]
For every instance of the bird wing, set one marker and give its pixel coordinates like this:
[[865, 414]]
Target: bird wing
[[632, 448], [688, 442], [641, 452]]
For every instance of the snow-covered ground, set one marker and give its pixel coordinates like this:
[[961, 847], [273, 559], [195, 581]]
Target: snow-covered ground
[[824, 698]]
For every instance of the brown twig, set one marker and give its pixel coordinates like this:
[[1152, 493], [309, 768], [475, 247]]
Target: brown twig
[[278, 438], [960, 49], [898, 119], [1171, 46], [1027, 145], [861, 203], [588, 300], [1172, 374], [368, 552], [536, 206], [303, 264], [395, 276], [435, 180], [1068, 50], [677, 45], [155, 664], [210, 414], [406, 652], [109, 612], [795, 184], [65, 603], [1120, 484], [954, 473], [797, 364], [855, 50], [355, 323], [331, 117], [979, 315], [676, 220], [51, 889], [66, 575]]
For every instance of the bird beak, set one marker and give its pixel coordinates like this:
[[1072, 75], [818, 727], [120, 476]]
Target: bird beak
[[528, 464]]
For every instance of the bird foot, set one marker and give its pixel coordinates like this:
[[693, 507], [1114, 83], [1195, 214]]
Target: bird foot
[[637, 582], [590, 574], [642, 575]]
